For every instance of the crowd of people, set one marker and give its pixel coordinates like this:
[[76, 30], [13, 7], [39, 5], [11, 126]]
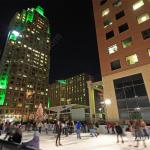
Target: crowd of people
[[133, 130]]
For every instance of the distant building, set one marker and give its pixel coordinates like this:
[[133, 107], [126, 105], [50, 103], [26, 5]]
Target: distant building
[[80, 92], [123, 37], [73, 92], [24, 69]]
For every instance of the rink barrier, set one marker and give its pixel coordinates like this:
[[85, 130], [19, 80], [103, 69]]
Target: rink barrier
[[5, 145]]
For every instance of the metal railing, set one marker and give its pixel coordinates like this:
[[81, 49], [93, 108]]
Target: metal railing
[[5, 145]]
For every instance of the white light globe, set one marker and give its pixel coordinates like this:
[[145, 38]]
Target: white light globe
[[107, 101]]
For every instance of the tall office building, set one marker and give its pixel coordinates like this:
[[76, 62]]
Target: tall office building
[[73, 91], [123, 37], [24, 69]]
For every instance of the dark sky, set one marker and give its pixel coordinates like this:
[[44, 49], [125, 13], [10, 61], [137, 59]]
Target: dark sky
[[73, 33]]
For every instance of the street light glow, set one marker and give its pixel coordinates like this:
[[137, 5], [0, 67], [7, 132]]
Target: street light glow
[[107, 101]]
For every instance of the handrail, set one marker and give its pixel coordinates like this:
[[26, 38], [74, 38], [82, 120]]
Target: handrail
[[13, 146]]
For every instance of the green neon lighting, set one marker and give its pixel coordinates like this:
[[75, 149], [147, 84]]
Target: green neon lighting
[[49, 103], [64, 82], [3, 85], [40, 10], [48, 30], [30, 16], [13, 35], [20, 28], [2, 96], [3, 81]]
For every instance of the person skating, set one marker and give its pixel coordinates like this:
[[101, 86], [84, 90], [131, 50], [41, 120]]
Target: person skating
[[46, 127], [58, 128], [139, 135], [40, 127], [17, 136], [119, 132], [78, 129]]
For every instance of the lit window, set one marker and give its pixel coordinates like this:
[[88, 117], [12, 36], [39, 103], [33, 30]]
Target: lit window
[[46, 89], [31, 86], [149, 51], [28, 55], [28, 29], [142, 18], [27, 36], [42, 93], [38, 38], [41, 61], [105, 12], [138, 4], [107, 22], [18, 17], [12, 42], [32, 32], [25, 45], [24, 76], [21, 89], [133, 59], [42, 54], [28, 59], [16, 88], [127, 42], [29, 48], [10, 87], [112, 49], [19, 42]]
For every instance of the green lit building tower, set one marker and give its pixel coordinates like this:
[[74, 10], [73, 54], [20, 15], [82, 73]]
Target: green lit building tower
[[24, 68]]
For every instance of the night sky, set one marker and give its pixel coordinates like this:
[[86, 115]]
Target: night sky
[[74, 49]]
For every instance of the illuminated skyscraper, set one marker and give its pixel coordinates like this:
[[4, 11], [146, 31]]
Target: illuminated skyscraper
[[123, 37], [25, 62]]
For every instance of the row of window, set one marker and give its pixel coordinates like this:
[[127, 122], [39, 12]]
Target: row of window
[[130, 60], [140, 19], [126, 42], [116, 3], [135, 6]]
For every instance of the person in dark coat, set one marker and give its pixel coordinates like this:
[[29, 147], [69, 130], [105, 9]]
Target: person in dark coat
[[17, 136], [58, 128], [119, 132]]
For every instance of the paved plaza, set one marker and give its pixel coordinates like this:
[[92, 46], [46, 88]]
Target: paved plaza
[[102, 142]]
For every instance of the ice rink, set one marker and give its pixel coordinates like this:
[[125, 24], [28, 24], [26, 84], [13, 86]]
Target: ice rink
[[102, 142]]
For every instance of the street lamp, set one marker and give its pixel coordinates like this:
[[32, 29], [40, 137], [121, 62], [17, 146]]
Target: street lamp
[[107, 102]]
